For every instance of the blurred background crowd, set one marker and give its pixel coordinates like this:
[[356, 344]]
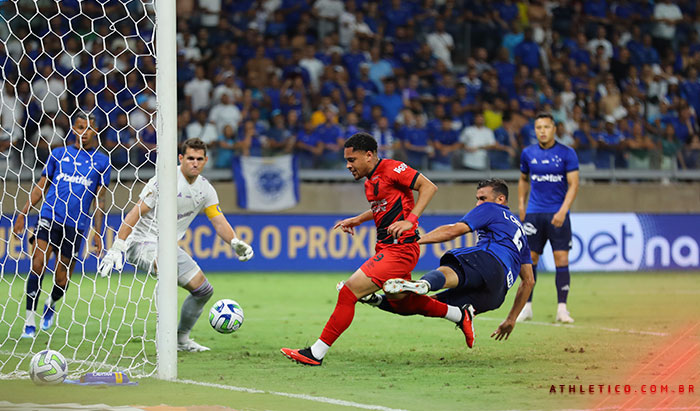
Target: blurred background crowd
[[441, 84]]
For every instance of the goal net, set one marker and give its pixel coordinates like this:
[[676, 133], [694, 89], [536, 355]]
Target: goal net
[[59, 59]]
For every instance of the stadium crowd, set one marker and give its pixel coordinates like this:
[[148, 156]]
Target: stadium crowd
[[441, 84]]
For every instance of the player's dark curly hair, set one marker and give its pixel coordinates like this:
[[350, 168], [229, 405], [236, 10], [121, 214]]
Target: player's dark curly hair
[[361, 141], [194, 144], [497, 185]]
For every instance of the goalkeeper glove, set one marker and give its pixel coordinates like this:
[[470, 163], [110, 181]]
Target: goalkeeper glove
[[113, 259], [244, 251]]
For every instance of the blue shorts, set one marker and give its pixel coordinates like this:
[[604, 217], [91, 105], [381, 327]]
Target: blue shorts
[[482, 281], [538, 228], [65, 239]]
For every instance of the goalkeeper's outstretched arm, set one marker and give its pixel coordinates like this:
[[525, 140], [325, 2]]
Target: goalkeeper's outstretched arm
[[131, 219], [115, 256], [225, 232]]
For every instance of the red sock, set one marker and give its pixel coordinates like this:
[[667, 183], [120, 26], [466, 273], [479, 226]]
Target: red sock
[[341, 318], [419, 304]]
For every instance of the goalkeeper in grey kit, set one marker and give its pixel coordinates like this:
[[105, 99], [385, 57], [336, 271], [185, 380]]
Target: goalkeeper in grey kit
[[137, 238]]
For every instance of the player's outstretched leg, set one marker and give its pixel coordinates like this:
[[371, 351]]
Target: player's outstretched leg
[[399, 285], [432, 281], [467, 324], [339, 321], [191, 310], [372, 299]]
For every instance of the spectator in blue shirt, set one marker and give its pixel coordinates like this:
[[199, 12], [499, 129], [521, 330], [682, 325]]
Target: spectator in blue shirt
[[390, 101], [331, 136], [379, 68], [649, 55], [527, 52], [503, 159], [585, 145], [610, 147], [505, 70], [414, 137], [118, 139], [446, 146], [308, 147]]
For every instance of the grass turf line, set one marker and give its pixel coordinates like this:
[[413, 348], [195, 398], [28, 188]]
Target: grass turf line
[[411, 362]]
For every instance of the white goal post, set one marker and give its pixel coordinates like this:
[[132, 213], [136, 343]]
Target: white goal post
[[117, 61], [166, 86]]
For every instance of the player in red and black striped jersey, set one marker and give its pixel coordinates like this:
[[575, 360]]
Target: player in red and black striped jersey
[[389, 190]]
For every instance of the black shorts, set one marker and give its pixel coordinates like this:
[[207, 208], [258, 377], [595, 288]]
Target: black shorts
[[538, 228], [482, 281], [64, 238]]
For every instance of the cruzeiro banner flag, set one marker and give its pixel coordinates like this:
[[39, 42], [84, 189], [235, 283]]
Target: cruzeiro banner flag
[[266, 183]]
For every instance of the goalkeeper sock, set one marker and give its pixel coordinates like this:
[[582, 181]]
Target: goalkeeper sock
[[192, 308], [562, 281], [341, 318], [534, 273], [435, 278]]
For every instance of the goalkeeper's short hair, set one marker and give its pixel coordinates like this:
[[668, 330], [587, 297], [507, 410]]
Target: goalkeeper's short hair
[[195, 144]]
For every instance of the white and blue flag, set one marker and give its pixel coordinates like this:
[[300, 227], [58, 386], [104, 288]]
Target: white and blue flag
[[266, 183]]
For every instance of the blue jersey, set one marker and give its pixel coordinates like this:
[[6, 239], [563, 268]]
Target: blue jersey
[[500, 234], [74, 176], [547, 171]]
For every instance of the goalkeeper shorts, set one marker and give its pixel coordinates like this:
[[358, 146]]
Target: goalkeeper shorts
[[143, 255]]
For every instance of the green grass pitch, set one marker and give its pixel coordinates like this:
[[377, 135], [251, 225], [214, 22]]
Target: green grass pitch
[[634, 329]]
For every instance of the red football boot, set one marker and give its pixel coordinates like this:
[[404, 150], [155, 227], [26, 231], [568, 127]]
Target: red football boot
[[302, 356]]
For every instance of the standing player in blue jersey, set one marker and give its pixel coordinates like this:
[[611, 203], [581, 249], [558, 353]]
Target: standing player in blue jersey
[[74, 177], [478, 277], [551, 169]]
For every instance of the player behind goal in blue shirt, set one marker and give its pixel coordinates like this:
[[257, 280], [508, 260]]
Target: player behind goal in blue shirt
[[551, 169], [73, 178], [477, 277]]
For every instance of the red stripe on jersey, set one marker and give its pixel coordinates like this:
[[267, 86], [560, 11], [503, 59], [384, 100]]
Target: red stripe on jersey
[[389, 192]]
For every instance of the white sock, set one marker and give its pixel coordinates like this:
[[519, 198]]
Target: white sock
[[49, 302], [29, 319], [528, 306], [561, 307], [319, 349], [454, 314], [183, 337]]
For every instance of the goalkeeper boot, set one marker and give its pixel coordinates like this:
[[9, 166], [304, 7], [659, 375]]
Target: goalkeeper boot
[[302, 356], [397, 285], [525, 314], [373, 299], [29, 331], [467, 324], [48, 317], [563, 314], [191, 346]]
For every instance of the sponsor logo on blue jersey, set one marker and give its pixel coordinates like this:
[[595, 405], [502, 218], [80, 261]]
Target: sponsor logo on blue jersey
[[82, 180], [548, 178]]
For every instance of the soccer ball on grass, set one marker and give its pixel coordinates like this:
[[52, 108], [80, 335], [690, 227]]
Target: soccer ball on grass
[[226, 316], [48, 367]]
